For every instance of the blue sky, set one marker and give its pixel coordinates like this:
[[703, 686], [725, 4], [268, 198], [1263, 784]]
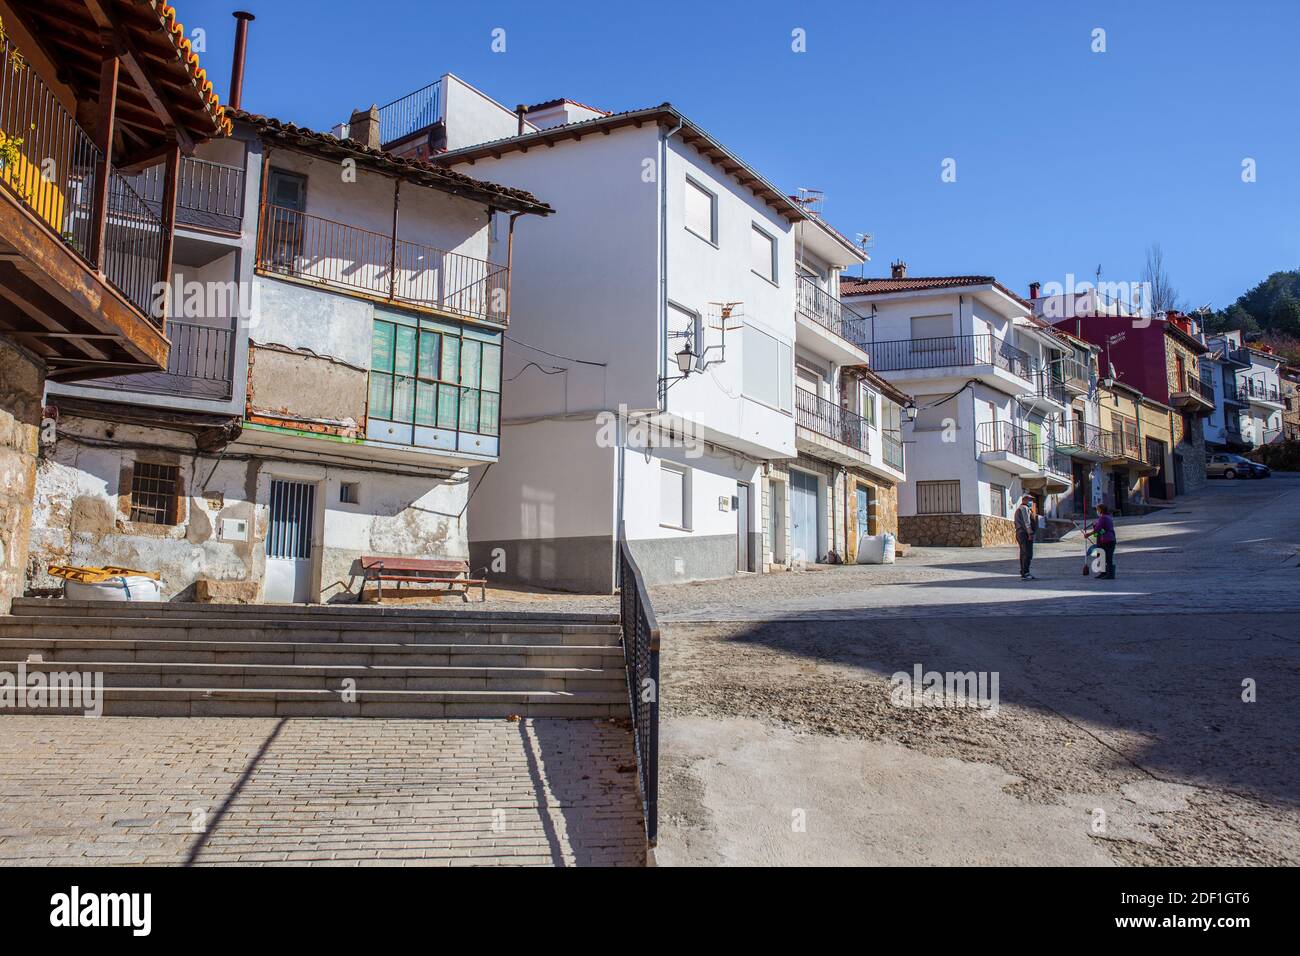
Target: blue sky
[[1066, 159]]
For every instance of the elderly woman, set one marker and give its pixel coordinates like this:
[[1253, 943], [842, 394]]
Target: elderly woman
[[1103, 531]]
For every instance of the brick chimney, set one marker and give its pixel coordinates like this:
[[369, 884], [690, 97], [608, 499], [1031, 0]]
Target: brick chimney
[[1034, 289], [898, 270], [363, 127]]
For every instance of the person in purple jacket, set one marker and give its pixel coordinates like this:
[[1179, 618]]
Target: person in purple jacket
[[1103, 530]]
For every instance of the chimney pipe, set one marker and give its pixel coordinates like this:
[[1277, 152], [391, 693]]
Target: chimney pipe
[[1034, 288], [898, 270], [520, 110], [242, 19]]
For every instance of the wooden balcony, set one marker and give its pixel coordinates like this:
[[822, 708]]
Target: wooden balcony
[[80, 250], [349, 259]]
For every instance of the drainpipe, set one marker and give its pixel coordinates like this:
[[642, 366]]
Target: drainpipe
[[510, 261], [663, 257]]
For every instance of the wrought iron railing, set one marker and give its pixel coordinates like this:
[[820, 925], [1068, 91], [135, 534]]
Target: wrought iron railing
[[133, 246], [891, 448], [53, 173], [949, 351], [209, 195], [641, 653], [1196, 385], [818, 305], [198, 365], [1005, 436], [1252, 388], [350, 258], [1048, 387], [1080, 437], [1124, 443], [830, 420]]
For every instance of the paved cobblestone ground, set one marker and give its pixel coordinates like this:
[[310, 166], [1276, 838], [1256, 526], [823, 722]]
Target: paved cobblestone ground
[[337, 792]]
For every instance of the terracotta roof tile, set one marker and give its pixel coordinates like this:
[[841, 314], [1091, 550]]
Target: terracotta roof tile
[[414, 170], [869, 286]]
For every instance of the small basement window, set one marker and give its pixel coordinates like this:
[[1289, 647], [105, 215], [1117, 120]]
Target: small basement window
[[350, 492], [153, 493]]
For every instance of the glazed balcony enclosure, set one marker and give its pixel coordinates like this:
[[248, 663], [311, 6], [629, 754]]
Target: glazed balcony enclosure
[[81, 250]]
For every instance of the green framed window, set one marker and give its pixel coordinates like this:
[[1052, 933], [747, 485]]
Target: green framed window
[[435, 374]]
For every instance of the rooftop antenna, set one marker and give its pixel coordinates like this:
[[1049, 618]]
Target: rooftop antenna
[[866, 241], [811, 199]]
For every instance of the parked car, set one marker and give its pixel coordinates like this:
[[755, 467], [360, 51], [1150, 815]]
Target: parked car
[[1234, 466]]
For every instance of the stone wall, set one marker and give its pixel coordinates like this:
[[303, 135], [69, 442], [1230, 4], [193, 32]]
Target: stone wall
[[1189, 454], [22, 383], [960, 531]]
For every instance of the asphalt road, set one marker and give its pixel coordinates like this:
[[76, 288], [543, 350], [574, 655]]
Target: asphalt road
[[1121, 733]]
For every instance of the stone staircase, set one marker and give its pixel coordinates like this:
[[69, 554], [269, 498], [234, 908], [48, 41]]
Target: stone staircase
[[334, 660]]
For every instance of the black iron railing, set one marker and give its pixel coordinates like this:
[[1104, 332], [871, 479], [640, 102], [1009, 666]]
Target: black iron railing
[[830, 420], [949, 350], [641, 653], [198, 365], [1195, 385], [1048, 387], [52, 169], [210, 195], [891, 448], [1124, 443], [1252, 388], [1079, 437], [815, 303], [350, 258], [1006, 437], [408, 114]]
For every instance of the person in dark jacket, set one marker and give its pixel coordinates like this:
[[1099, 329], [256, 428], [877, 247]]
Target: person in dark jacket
[[1025, 523], [1103, 532]]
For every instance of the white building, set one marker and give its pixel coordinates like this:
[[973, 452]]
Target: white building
[[991, 390], [335, 370], [671, 255], [1248, 393]]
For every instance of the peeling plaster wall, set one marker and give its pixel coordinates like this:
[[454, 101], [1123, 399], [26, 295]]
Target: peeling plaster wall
[[82, 513], [21, 384], [82, 509]]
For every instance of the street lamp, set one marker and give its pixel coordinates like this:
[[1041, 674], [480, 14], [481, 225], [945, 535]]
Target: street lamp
[[910, 410], [685, 360]]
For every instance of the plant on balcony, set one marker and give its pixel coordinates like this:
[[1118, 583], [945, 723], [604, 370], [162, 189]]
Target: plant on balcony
[[11, 146]]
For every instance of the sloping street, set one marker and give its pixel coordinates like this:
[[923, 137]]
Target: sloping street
[[1121, 735]]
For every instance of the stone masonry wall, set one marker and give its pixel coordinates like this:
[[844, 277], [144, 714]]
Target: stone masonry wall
[[959, 531], [22, 383]]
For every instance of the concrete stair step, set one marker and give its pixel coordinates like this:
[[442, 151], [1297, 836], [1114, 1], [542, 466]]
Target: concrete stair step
[[353, 632], [284, 702], [50, 607], [332, 678], [312, 653]]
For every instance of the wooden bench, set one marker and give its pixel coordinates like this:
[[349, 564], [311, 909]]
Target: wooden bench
[[453, 575]]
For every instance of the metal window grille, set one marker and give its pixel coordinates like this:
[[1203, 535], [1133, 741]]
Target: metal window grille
[[153, 493], [938, 497]]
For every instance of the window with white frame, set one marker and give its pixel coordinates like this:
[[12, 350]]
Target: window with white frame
[[701, 211], [869, 406], [767, 369], [763, 253], [674, 485]]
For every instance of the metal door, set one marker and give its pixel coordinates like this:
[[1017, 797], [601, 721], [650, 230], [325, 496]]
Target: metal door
[[742, 527], [803, 516], [288, 542]]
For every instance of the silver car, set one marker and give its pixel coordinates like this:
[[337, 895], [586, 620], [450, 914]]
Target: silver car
[[1227, 465]]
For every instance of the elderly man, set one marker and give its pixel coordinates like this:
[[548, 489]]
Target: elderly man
[[1026, 521]]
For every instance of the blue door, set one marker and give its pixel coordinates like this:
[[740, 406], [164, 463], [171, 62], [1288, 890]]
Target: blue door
[[803, 516]]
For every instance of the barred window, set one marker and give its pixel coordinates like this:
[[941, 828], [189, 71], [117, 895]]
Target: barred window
[[938, 497], [153, 493]]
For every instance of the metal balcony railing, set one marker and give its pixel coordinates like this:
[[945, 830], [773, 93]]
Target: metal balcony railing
[[54, 174], [1049, 387], [1195, 385], [830, 420], [199, 365], [818, 305], [1260, 391], [891, 448], [956, 351], [209, 195], [408, 114], [351, 259], [1005, 436], [1124, 443], [1080, 437]]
